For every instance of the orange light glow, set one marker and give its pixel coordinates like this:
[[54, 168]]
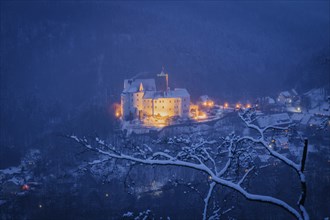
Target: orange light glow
[[201, 115], [25, 187], [238, 105], [157, 121], [208, 103], [117, 110], [194, 111], [226, 105], [248, 105], [159, 125]]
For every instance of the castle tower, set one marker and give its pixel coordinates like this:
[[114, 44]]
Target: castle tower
[[162, 81]]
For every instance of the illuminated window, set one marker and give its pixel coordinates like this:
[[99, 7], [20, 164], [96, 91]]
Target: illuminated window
[[170, 101], [155, 101], [163, 106]]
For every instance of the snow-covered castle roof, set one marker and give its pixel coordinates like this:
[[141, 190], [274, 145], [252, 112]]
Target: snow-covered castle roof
[[132, 85], [176, 93]]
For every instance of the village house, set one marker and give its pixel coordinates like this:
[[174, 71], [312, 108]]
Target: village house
[[288, 98]]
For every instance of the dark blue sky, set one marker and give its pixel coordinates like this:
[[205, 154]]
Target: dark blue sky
[[228, 49]]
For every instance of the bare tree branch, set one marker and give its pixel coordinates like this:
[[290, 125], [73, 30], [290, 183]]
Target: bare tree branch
[[299, 168], [196, 156], [245, 175], [201, 167], [207, 199]]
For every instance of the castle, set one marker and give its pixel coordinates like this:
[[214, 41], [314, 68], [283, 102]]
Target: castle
[[141, 98]]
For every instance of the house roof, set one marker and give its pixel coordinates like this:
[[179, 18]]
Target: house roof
[[270, 100], [132, 85], [149, 94], [305, 119], [316, 121], [285, 94], [176, 93], [297, 116], [204, 98]]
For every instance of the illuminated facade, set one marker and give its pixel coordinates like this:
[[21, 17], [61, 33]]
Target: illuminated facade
[[140, 98]]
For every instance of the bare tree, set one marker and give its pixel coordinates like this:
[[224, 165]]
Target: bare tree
[[227, 161]]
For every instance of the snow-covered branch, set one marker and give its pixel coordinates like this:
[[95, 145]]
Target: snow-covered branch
[[161, 158], [299, 168], [207, 199], [245, 175]]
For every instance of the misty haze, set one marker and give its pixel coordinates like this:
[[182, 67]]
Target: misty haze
[[167, 110]]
